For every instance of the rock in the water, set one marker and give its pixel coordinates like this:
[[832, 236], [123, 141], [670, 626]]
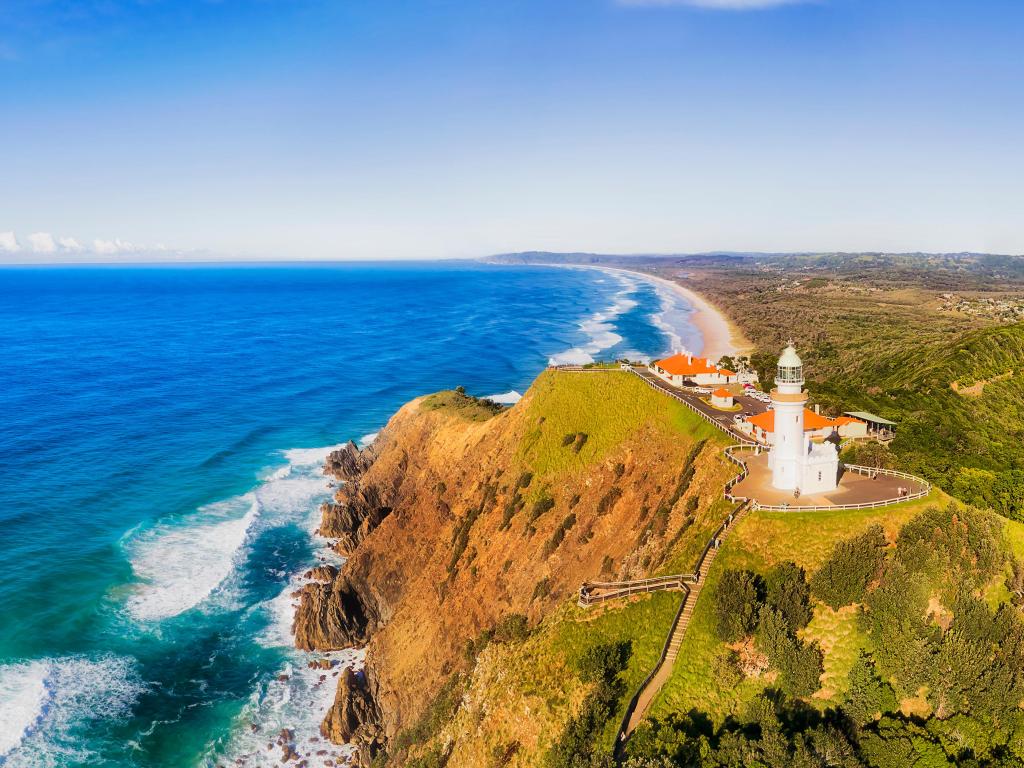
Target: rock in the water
[[355, 718], [333, 616]]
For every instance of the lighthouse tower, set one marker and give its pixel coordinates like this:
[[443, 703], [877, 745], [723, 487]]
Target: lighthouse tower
[[788, 454], [797, 463]]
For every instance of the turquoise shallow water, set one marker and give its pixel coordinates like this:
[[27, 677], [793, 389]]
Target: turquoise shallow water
[[161, 434]]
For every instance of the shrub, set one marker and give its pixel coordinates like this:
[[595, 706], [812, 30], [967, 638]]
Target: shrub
[[540, 506], [787, 591], [542, 590], [559, 535], [853, 563], [603, 662], [725, 668], [738, 599], [869, 697], [799, 664], [460, 537], [576, 747], [524, 480], [604, 506], [511, 508], [513, 628]]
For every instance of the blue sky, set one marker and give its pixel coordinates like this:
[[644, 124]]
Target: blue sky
[[433, 128]]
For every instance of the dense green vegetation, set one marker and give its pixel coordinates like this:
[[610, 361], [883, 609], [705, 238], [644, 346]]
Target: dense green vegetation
[[939, 680]]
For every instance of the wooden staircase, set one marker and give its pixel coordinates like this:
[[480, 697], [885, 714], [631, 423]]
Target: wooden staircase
[[650, 688]]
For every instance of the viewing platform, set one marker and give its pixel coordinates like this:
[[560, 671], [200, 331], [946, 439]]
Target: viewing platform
[[859, 487]]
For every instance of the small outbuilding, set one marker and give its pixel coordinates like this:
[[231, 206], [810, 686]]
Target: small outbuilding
[[877, 427], [722, 398]]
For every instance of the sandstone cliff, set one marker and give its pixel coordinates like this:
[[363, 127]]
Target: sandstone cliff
[[458, 517]]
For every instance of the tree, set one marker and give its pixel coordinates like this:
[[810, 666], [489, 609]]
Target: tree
[[842, 579], [738, 599], [869, 697], [787, 591], [799, 664]]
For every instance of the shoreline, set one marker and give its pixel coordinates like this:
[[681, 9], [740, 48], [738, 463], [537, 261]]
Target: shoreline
[[719, 333]]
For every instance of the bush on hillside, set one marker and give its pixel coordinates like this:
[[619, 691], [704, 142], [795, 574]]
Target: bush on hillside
[[738, 599], [603, 662], [513, 628], [559, 535], [787, 591], [953, 544], [800, 664], [604, 506], [869, 697], [842, 579], [726, 669], [870, 454], [577, 745], [540, 506]]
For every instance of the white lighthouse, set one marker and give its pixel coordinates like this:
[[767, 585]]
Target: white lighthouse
[[797, 463]]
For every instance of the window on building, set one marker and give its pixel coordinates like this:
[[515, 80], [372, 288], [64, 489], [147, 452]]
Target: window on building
[[819, 477]]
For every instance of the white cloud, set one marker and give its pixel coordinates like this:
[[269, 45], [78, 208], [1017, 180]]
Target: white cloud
[[9, 243], [70, 244], [724, 5], [42, 242], [117, 245]]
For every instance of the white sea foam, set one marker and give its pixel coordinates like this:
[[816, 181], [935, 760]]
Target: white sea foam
[[305, 457], [506, 398], [22, 697], [295, 699], [600, 327], [367, 439], [181, 563], [45, 704]]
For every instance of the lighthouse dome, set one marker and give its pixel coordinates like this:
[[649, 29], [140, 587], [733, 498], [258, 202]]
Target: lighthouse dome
[[791, 368], [789, 358]]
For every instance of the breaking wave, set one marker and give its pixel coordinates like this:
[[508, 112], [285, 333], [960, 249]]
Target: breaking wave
[[181, 563], [46, 704], [600, 327]]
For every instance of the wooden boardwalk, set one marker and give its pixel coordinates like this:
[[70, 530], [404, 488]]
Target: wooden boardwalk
[[651, 687]]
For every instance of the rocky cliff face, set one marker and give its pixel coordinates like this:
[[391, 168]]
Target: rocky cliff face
[[450, 523]]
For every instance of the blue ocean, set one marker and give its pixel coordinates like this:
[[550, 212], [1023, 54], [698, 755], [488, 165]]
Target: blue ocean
[[162, 431]]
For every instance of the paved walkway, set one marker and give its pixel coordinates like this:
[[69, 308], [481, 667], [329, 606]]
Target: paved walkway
[[723, 419], [854, 488]]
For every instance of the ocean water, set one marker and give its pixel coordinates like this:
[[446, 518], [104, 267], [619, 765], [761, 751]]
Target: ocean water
[[162, 431]]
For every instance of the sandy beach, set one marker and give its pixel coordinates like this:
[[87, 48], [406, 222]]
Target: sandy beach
[[721, 336]]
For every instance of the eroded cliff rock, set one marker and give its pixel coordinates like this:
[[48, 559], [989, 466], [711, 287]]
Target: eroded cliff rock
[[455, 521], [354, 718], [333, 615], [348, 462]]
